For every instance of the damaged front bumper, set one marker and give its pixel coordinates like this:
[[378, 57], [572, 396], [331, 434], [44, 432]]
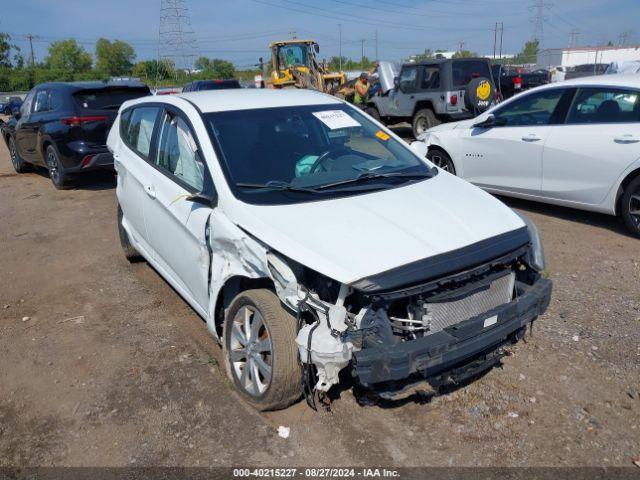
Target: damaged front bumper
[[466, 341]]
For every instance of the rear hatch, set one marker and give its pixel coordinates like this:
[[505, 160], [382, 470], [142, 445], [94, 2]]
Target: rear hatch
[[462, 72], [97, 109]]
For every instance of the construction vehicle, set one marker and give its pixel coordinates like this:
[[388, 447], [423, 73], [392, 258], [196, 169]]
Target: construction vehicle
[[294, 65]]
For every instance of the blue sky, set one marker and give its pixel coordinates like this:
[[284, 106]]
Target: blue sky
[[239, 30]]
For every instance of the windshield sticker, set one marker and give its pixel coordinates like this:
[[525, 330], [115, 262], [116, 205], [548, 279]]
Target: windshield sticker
[[335, 119], [382, 136]]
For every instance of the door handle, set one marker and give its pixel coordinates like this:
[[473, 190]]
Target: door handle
[[532, 137], [626, 138], [150, 190]]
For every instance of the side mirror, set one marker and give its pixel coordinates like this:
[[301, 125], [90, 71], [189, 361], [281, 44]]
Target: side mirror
[[488, 122], [396, 82], [205, 199]]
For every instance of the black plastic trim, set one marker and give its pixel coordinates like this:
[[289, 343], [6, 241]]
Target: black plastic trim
[[445, 263], [440, 351]]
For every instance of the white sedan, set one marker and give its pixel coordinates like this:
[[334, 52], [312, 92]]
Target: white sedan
[[313, 240], [574, 143]]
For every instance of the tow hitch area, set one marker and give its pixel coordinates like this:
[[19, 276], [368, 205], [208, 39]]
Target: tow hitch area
[[422, 336]]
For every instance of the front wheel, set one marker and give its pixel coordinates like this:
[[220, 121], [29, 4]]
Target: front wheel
[[442, 160], [630, 206], [260, 350], [19, 165], [423, 120], [59, 177]]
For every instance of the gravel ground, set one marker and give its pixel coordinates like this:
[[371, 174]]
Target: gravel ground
[[102, 363]]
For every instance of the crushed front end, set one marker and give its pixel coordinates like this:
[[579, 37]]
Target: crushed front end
[[438, 320]]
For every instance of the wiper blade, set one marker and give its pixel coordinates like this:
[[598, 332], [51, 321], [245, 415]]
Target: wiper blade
[[373, 176], [280, 186]]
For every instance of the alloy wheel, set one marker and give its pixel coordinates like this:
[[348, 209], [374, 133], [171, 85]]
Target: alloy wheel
[[440, 162], [52, 165], [14, 154], [634, 208], [250, 351]]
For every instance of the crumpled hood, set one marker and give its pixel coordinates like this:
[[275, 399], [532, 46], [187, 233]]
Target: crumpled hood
[[351, 238]]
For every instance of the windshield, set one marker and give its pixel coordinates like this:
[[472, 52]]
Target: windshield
[[291, 55], [305, 153]]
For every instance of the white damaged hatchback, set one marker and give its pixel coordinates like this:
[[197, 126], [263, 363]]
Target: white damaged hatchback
[[318, 246]]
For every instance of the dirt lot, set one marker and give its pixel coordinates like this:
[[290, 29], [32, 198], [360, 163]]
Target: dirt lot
[[101, 362]]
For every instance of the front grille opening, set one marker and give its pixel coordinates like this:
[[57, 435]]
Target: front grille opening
[[420, 315]]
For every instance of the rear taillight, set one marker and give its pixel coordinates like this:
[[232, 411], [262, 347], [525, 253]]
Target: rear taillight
[[81, 120], [453, 100]]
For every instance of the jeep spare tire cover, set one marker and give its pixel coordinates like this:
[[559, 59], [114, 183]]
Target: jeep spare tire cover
[[478, 95]]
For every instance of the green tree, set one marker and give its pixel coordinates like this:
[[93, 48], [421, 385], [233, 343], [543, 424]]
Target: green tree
[[529, 53], [114, 58], [464, 54], [68, 56], [426, 55], [222, 68], [202, 63], [153, 70], [9, 51]]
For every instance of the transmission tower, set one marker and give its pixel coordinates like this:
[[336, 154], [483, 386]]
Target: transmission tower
[[177, 42], [538, 18], [573, 37]]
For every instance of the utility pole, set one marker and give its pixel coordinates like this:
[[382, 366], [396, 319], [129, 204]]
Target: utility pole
[[501, 32], [495, 35], [31, 38], [573, 37], [624, 37], [362, 52], [377, 58], [340, 50], [460, 46]]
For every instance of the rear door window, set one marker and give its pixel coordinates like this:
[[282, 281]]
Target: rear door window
[[137, 128], [463, 71], [108, 98], [605, 105]]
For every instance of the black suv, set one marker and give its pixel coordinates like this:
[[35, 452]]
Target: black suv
[[64, 127], [199, 85]]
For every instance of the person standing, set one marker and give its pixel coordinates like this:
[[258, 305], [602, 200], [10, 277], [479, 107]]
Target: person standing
[[361, 95]]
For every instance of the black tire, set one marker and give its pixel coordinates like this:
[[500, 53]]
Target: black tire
[[129, 250], [58, 176], [19, 165], [630, 206], [276, 327], [423, 120], [441, 159], [373, 112]]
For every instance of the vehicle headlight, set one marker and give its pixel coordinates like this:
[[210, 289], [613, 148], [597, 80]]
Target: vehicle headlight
[[537, 252]]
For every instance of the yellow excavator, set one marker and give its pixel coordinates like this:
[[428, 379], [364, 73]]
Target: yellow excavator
[[294, 65]]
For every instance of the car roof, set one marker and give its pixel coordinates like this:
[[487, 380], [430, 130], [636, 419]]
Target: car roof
[[90, 85], [208, 101], [614, 80], [444, 60]]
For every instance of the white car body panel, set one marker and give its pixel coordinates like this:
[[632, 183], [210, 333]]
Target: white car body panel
[[580, 166], [345, 239]]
